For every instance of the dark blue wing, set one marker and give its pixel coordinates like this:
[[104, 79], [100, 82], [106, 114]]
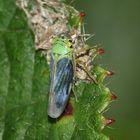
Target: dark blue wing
[[60, 86], [64, 77]]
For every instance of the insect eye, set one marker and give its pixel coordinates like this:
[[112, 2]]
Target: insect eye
[[71, 46], [70, 40]]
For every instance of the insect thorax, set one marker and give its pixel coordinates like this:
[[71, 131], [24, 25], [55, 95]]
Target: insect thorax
[[61, 48]]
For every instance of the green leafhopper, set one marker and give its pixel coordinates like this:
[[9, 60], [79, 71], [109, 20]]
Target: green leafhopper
[[61, 67]]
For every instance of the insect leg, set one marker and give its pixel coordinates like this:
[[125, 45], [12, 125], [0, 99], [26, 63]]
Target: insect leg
[[91, 76]]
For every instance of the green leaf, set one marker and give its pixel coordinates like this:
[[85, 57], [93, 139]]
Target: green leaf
[[24, 88]]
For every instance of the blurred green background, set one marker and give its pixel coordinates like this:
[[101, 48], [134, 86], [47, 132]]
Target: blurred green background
[[117, 27]]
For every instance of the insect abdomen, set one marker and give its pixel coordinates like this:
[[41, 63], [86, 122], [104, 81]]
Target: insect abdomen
[[60, 87]]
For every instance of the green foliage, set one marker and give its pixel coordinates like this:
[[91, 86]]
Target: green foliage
[[24, 87]]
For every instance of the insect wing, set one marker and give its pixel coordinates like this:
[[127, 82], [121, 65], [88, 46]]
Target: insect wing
[[61, 82]]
